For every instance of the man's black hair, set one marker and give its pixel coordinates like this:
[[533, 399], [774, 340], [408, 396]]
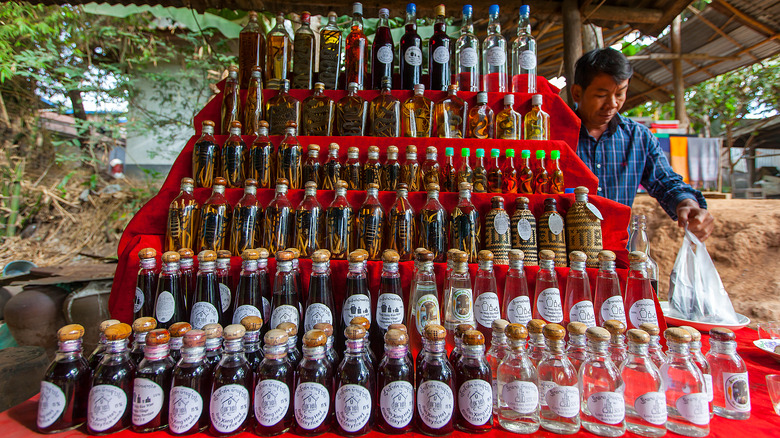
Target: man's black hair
[[608, 61]]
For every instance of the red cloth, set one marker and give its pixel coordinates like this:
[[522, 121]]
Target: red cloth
[[19, 421]]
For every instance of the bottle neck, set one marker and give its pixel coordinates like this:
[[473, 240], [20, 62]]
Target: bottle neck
[[171, 268], [524, 26], [186, 264], [516, 265], [292, 342], [193, 354], [275, 352], [70, 346], [494, 25], [576, 340], [252, 340], [395, 351], [389, 269], [411, 20], [678, 350], [156, 352], [206, 267], [465, 195], [468, 25], [436, 347], [577, 266], [354, 347], [313, 353], [357, 21], [116, 347], [234, 345], [472, 351], [148, 263], [723, 347], [213, 344], [140, 339], [223, 264], [598, 349], [176, 343], [554, 346], [284, 266], [607, 266], [638, 349], [320, 268], [248, 267], [499, 339], [485, 267], [638, 270], [546, 265]]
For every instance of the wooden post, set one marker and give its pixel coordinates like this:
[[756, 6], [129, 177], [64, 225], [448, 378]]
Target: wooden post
[[677, 71], [572, 41]]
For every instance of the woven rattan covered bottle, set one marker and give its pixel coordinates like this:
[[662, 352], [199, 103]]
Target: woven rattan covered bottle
[[551, 232], [523, 231], [498, 231], [583, 227]]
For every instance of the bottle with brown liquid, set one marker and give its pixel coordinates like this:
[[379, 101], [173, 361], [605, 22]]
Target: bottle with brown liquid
[[508, 121], [583, 230], [552, 235], [430, 167], [177, 332], [525, 177], [279, 51], [303, 54], [251, 50], [355, 383], [391, 170], [319, 300], [246, 214], [401, 225], [281, 109], [524, 231], [262, 157], [436, 385], [439, 53], [330, 353], [289, 158], [372, 168], [465, 173], [183, 214], [207, 302], [314, 388], [395, 386], [369, 224], [509, 173], [109, 406], [205, 156], [141, 327], [274, 380], [537, 122], [235, 157], [410, 170], [351, 113], [188, 275], [390, 303], [450, 115], [495, 177], [480, 121], [230, 100], [309, 222], [433, 225], [416, 113], [480, 174], [225, 284], [339, 217], [556, 179], [214, 220], [146, 283], [541, 177], [473, 383], [100, 350], [278, 220], [410, 51], [352, 172], [332, 168], [449, 173], [213, 347], [357, 297], [152, 384], [65, 385], [357, 50], [248, 300], [169, 303], [254, 355], [385, 113], [330, 52], [498, 231], [460, 329], [253, 107], [230, 403], [285, 304], [293, 352], [190, 381], [318, 113], [465, 225], [312, 169]]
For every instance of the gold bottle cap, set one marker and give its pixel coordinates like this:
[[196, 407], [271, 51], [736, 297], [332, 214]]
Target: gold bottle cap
[[637, 256], [290, 124], [536, 326], [224, 254], [435, 332], [314, 338], [170, 257], [576, 328], [289, 327], [438, 10], [465, 186], [284, 256], [650, 328], [275, 337], [333, 147], [354, 332], [147, 253], [235, 124], [606, 256], [144, 324], [313, 147], [262, 253], [117, 332], [398, 326], [208, 123], [499, 325], [473, 337], [695, 334], [460, 257], [411, 149], [581, 190], [374, 186], [106, 324], [213, 330], [186, 253], [390, 256], [320, 257], [325, 327], [158, 337], [516, 254], [179, 329], [252, 323], [250, 254], [356, 257], [615, 327], [522, 200], [431, 150], [578, 256], [485, 256], [207, 256], [323, 250], [70, 332], [296, 254], [194, 338], [554, 332], [263, 124], [233, 68], [677, 334], [722, 334], [361, 321], [516, 332], [638, 336], [219, 181], [546, 254], [282, 182], [233, 332], [432, 187], [395, 338]]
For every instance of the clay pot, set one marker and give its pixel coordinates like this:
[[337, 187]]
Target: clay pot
[[88, 306], [34, 316]]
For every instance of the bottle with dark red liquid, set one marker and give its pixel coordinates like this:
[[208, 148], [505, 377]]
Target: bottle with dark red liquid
[[319, 302], [100, 350], [439, 53], [177, 331], [330, 353], [265, 291], [152, 384], [382, 51], [252, 351], [146, 284], [141, 327], [285, 305], [225, 284], [410, 51], [457, 351], [232, 379], [357, 50], [187, 270], [273, 387], [213, 345], [293, 353], [247, 300], [313, 399], [475, 394], [65, 386], [110, 397], [207, 302], [354, 386], [436, 385], [395, 386], [368, 352], [169, 298], [188, 410], [357, 297]]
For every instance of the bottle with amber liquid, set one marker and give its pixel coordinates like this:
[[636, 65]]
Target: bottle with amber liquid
[[110, 397], [319, 111], [312, 169], [357, 50], [523, 229], [498, 238], [319, 300], [395, 386], [262, 157], [368, 352], [384, 113], [188, 274], [177, 331], [351, 113], [509, 173], [207, 302], [303, 54], [410, 170], [281, 109], [551, 228], [254, 355], [235, 157], [525, 176], [541, 176], [293, 352], [391, 170], [313, 397], [465, 226], [278, 52], [357, 297], [146, 283], [230, 100], [369, 224], [416, 114], [410, 51], [355, 383], [205, 156], [382, 51], [508, 121], [169, 303], [430, 167], [183, 214], [436, 385], [433, 225], [439, 53], [246, 214], [480, 121], [274, 379], [332, 168], [352, 172], [248, 300], [309, 222], [285, 304], [215, 219], [190, 381], [330, 52], [537, 122], [449, 173], [479, 179], [65, 385], [290, 157], [556, 179], [465, 172], [152, 384], [495, 177], [339, 218], [401, 225], [278, 220], [229, 405], [253, 107], [141, 327], [473, 382], [372, 168], [251, 49]]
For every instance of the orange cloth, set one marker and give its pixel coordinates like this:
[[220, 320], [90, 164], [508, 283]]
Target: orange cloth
[[678, 151]]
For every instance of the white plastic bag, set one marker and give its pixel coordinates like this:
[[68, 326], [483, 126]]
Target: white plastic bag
[[696, 292]]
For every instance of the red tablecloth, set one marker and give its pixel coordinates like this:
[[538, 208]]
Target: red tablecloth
[[19, 421]]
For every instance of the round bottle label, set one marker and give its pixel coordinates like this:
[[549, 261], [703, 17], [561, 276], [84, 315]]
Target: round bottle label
[[427, 311], [441, 55], [694, 408], [651, 406], [316, 313], [266, 309], [487, 309], [353, 407], [583, 312], [435, 403], [229, 407], [595, 210], [555, 223], [51, 404], [203, 313], [548, 304], [147, 401], [475, 401], [312, 402], [413, 56], [642, 311], [524, 229], [138, 303], [607, 407], [544, 386], [224, 296], [107, 405], [521, 397], [385, 54], [389, 310], [184, 409], [461, 305], [284, 313], [501, 222], [272, 400], [519, 310], [396, 401], [354, 306], [468, 57], [243, 311], [736, 391], [564, 400], [496, 56], [165, 307], [612, 308], [528, 60]]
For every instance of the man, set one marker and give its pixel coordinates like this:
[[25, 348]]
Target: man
[[622, 153]]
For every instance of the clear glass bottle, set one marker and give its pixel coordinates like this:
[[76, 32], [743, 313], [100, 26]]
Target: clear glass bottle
[[231, 382], [701, 362], [274, 380], [312, 169], [643, 389], [384, 113], [234, 157], [617, 344], [497, 232], [352, 172], [494, 71], [303, 54], [430, 168], [246, 215], [525, 176], [608, 299], [309, 222], [729, 376], [339, 217], [509, 123], [395, 386], [231, 102], [558, 385], [458, 301], [252, 112], [183, 214], [141, 327], [472, 377], [410, 54], [450, 115], [433, 224], [318, 112], [638, 241], [177, 331], [285, 305], [248, 300], [319, 301], [109, 403], [357, 50], [465, 225], [480, 180], [205, 156], [498, 352], [536, 122], [290, 157], [416, 114], [480, 120], [639, 297], [547, 303], [146, 283], [401, 225], [332, 168], [390, 304], [465, 172], [263, 157], [391, 170], [188, 412], [686, 395], [281, 109], [279, 51], [654, 348], [486, 306], [351, 113], [578, 301], [467, 50], [313, 400], [602, 406], [576, 347], [152, 384], [524, 52], [382, 51], [439, 53], [495, 178], [518, 386], [424, 301], [536, 345], [355, 384], [330, 52], [516, 302], [278, 220], [435, 377], [251, 49]]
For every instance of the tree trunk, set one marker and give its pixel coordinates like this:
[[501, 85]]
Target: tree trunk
[[80, 114]]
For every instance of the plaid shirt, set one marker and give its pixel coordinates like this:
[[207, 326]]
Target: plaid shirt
[[627, 155]]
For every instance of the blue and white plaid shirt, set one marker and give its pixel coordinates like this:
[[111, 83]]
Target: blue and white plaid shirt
[[627, 155]]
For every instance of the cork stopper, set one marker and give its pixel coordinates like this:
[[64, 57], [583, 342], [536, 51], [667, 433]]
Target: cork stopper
[[516, 332], [194, 339], [695, 334], [499, 325], [485, 256], [263, 124], [432, 187], [333, 147], [289, 327], [606, 256], [186, 253], [578, 256], [401, 187], [313, 147], [362, 252], [546, 254], [179, 329], [235, 124], [398, 326], [315, 338], [438, 10], [677, 334], [615, 327], [354, 332], [144, 324], [373, 149], [106, 324], [435, 332], [213, 330], [497, 202], [207, 256], [431, 150], [224, 254], [637, 336], [650, 328], [581, 190], [361, 321], [516, 254], [411, 149], [473, 337], [465, 186], [372, 186], [341, 184], [250, 254], [522, 200], [147, 253], [290, 123], [320, 257], [208, 123], [597, 334], [284, 256], [423, 256], [325, 327], [233, 68], [353, 150], [451, 253], [219, 181], [460, 257], [554, 332], [722, 334], [158, 337], [70, 332], [252, 323], [356, 257], [295, 252], [390, 256], [536, 326], [392, 149], [396, 338], [576, 328], [233, 332], [250, 182], [637, 256], [282, 182], [262, 253], [170, 257], [275, 337], [118, 332]]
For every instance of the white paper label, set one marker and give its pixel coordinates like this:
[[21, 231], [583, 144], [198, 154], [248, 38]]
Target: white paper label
[[528, 60], [642, 311], [468, 57], [548, 304], [544, 386], [312, 402], [708, 388], [487, 309], [243, 311], [396, 401], [266, 309], [389, 310], [316, 313], [272, 400], [461, 305], [229, 407], [413, 56], [284, 313], [694, 408], [138, 303], [736, 391], [441, 55], [184, 409], [521, 397], [475, 401], [595, 210], [224, 296], [583, 312], [385, 54], [501, 222], [353, 407], [524, 229], [564, 400], [354, 306], [496, 56], [165, 307], [203, 313], [427, 311], [652, 407], [435, 403], [147, 401], [555, 223], [519, 310], [612, 308], [607, 407], [107, 405], [51, 405]]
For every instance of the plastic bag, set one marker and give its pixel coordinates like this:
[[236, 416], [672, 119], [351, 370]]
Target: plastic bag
[[696, 292]]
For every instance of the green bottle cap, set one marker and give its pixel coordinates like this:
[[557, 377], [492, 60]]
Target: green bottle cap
[[510, 153], [540, 154], [449, 152], [480, 153], [465, 152], [525, 153], [555, 155], [495, 153]]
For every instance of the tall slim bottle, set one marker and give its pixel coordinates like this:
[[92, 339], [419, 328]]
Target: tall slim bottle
[[556, 179], [246, 214], [252, 112], [146, 283], [536, 122], [369, 224], [285, 305], [232, 380], [352, 172], [518, 386], [547, 301], [600, 384], [390, 303], [318, 112], [248, 300], [395, 385], [551, 233], [423, 300], [357, 296], [449, 173], [640, 298], [638, 241], [266, 292], [433, 225], [537, 348], [494, 69], [480, 121], [410, 55], [465, 172], [274, 383], [355, 387], [497, 353], [439, 53], [416, 114], [391, 170], [319, 300], [254, 355], [169, 303], [509, 123], [205, 156], [330, 53], [312, 169], [357, 50], [382, 51], [608, 300], [314, 387], [465, 226], [235, 157], [467, 50], [401, 225], [450, 115], [384, 113], [458, 302], [183, 214], [207, 302], [231, 104], [372, 168], [109, 404], [524, 231], [263, 158], [701, 362], [654, 348], [351, 113], [524, 52], [436, 390], [516, 303], [152, 384], [339, 218], [226, 285], [278, 220], [290, 157], [281, 109], [251, 50], [303, 54], [430, 167], [188, 274], [279, 50], [473, 375], [558, 385], [309, 222], [410, 170], [486, 306], [643, 390], [686, 395], [498, 237], [578, 301]]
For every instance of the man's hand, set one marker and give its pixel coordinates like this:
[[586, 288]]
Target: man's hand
[[700, 221]]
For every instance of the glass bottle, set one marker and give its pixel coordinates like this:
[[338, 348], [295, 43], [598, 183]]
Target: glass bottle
[[486, 306], [351, 113], [384, 112], [65, 385], [188, 277], [290, 155], [524, 53], [518, 386], [332, 168], [654, 348], [246, 215], [278, 220], [509, 173], [254, 355], [541, 177], [177, 331], [524, 231], [643, 389], [686, 396], [330, 53], [357, 296], [372, 168], [352, 171], [230, 101], [638, 241], [439, 53], [701, 362], [617, 346], [497, 231], [551, 229], [100, 349], [536, 121], [382, 51], [433, 224], [578, 301], [152, 383], [251, 49], [169, 303], [309, 222], [146, 283], [731, 389], [319, 300], [207, 302], [331, 355], [424, 301], [235, 157], [465, 172], [247, 300], [281, 109], [525, 176], [576, 348], [312, 169], [293, 353], [508, 121], [556, 180], [314, 387], [369, 223], [253, 106], [401, 225], [558, 386], [639, 292], [355, 384], [494, 71], [213, 345], [537, 348], [473, 377], [225, 284], [608, 300], [262, 157], [480, 175], [516, 303], [274, 379], [467, 50], [319, 111], [205, 156], [110, 396], [395, 386], [449, 173], [303, 54], [457, 340], [435, 385], [264, 282], [339, 217], [600, 384], [430, 167], [190, 381], [480, 121], [410, 54], [357, 50], [498, 352], [390, 303], [141, 327], [465, 224], [285, 305], [391, 170], [548, 296], [416, 113], [450, 114], [458, 302], [232, 379], [495, 177], [279, 51]]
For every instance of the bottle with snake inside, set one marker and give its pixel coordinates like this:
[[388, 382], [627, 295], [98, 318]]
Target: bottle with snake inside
[[465, 224], [369, 224], [318, 113], [401, 225], [433, 225], [281, 109], [252, 113], [351, 113], [372, 168], [331, 170], [391, 170], [246, 214], [410, 170], [384, 113], [339, 218]]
